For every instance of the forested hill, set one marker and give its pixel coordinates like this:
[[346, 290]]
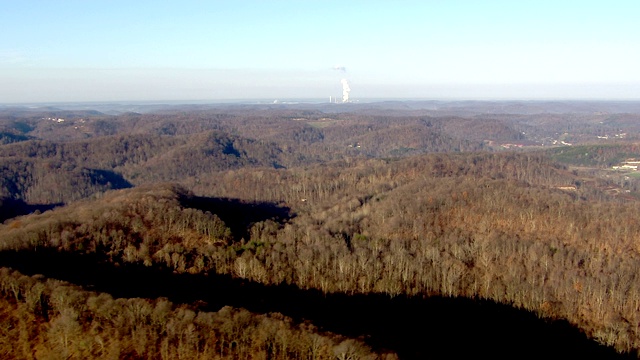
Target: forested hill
[[163, 241], [57, 156], [40, 171], [127, 235]]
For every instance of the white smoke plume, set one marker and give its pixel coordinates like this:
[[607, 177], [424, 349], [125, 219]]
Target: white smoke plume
[[345, 90]]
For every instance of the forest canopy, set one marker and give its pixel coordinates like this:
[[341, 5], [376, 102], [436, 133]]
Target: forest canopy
[[299, 206]]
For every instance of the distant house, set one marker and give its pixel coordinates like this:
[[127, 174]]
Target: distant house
[[509, 146], [567, 188], [629, 164]]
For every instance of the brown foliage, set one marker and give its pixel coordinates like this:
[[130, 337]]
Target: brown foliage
[[72, 323]]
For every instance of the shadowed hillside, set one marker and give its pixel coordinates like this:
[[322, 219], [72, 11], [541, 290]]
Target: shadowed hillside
[[412, 327]]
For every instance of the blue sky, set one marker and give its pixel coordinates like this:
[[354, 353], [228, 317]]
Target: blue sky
[[217, 50]]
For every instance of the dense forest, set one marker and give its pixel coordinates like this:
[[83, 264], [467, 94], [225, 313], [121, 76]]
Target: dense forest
[[311, 231]]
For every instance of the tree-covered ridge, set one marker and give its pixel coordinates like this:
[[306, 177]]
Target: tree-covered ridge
[[140, 225], [601, 156], [331, 207], [51, 319], [50, 166], [41, 172], [431, 225], [149, 227]]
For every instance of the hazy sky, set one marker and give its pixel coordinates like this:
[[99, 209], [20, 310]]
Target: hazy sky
[[91, 50]]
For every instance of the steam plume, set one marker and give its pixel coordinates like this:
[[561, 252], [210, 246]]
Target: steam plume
[[345, 90]]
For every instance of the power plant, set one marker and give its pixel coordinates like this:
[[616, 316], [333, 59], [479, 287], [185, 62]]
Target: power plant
[[345, 90], [345, 93], [345, 87]]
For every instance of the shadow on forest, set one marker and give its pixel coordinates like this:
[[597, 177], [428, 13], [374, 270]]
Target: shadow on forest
[[10, 208], [416, 328], [108, 177], [239, 215]]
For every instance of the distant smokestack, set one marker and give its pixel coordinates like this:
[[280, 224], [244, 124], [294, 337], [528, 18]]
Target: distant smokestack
[[345, 90]]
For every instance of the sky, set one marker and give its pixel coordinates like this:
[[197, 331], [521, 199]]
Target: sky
[[76, 51]]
